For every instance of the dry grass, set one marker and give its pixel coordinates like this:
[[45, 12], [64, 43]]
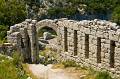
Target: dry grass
[[72, 70], [56, 66], [83, 73], [27, 70]]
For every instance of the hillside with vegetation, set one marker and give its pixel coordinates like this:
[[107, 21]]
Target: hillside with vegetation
[[75, 9], [15, 11]]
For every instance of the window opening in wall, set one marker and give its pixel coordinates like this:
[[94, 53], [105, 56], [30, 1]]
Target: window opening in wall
[[86, 46], [22, 44], [65, 40], [98, 50], [75, 42], [112, 52]]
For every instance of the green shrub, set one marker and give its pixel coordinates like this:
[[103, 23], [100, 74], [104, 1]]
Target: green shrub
[[69, 11], [3, 32], [55, 11], [69, 63], [12, 11], [48, 57], [116, 15], [8, 70], [43, 53], [17, 59], [103, 75]]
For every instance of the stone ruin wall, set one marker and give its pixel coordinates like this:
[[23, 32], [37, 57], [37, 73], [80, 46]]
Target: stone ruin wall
[[23, 37], [6, 49], [94, 43], [91, 43]]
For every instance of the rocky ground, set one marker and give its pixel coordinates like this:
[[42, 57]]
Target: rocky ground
[[48, 41], [47, 72]]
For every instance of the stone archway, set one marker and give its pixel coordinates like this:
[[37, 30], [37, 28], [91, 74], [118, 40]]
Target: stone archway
[[48, 23], [41, 31], [51, 25]]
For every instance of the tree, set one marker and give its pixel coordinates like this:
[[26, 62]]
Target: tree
[[3, 32], [12, 11], [116, 15]]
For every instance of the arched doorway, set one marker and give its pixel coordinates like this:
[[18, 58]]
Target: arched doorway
[[47, 38], [46, 29]]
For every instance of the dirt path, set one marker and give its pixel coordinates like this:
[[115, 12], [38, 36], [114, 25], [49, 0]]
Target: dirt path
[[46, 72]]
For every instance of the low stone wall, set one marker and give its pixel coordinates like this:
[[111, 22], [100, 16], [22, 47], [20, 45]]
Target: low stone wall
[[24, 37]]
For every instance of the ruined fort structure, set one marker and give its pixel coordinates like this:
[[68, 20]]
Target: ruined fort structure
[[91, 43]]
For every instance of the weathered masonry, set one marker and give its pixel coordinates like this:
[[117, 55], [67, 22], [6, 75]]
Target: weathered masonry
[[92, 43]]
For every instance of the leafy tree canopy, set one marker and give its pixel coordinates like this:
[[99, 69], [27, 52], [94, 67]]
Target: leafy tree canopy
[[92, 6], [116, 15], [12, 11]]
